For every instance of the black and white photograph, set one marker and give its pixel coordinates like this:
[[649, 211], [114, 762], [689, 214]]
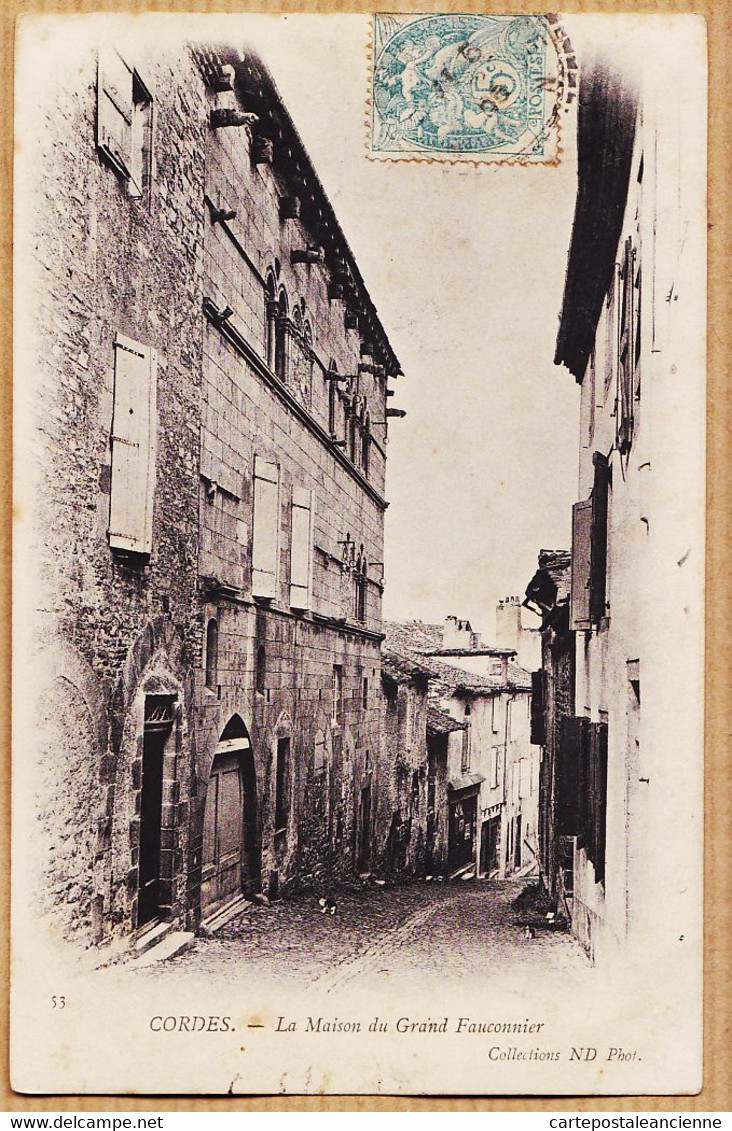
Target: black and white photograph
[[358, 614]]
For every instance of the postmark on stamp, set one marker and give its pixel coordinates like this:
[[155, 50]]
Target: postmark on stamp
[[469, 87]]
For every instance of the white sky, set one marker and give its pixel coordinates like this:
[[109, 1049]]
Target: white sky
[[466, 268]]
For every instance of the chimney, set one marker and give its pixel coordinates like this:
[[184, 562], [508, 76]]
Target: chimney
[[508, 623], [458, 633]]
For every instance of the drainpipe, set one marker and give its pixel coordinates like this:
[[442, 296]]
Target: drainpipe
[[511, 698]]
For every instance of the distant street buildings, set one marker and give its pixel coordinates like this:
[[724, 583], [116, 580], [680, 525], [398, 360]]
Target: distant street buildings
[[482, 772]]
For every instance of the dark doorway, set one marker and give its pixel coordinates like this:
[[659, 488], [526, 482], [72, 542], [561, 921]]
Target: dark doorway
[[461, 832], [363, 862], [517, 843], [489, 845], [229, 835], [157, 728]]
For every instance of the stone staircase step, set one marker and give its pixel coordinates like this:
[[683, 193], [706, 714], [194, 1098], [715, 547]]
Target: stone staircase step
[[150, 936], [175, 943], [224, 915]]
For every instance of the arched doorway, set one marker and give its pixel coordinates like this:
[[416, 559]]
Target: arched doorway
[[229, 824]]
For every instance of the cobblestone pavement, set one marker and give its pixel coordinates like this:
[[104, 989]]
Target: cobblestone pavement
[[414, 930]]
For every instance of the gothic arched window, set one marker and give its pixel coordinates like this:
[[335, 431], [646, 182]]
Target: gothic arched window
[[212, 654]]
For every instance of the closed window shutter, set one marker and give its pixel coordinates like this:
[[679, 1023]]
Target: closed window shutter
[[265, 548], [585, 838], [627, 358], [134, 435], [301, 553], [538, 684], [114, 109], [579, 616], [569, 775], [599, 798], [598, 540]]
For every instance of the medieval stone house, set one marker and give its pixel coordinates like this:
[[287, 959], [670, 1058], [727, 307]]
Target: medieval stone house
[[207, 525]]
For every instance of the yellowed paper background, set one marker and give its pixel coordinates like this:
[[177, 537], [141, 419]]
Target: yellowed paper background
[[715, 1095]]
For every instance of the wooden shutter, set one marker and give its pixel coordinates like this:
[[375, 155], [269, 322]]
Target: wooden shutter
[[538, 685], [134, 436], [568, 775], [598, 539], [265, 542], [114, 109], [579, 616], [599, 798], [586, 833], [301, 551], [626, 367]]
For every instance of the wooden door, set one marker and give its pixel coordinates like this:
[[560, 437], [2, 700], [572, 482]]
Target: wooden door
[[364, 824], [223, 832], [461, 832], [151, 808], [489, 846]]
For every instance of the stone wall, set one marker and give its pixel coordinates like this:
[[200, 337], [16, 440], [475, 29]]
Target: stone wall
[[107, 263]]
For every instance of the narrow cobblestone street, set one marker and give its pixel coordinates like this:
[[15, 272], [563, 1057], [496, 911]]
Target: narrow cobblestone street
[[411, 931]]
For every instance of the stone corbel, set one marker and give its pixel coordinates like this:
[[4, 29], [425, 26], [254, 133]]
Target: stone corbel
[[262, 152], [307, 255], [290, 208]]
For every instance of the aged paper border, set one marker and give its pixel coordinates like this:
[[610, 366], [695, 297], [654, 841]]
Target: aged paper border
[[716, 1094]]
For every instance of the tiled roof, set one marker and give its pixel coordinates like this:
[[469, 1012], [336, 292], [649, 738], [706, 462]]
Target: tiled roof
[[413, 636], [439, 722], [417, 639], [403, 669], [471, 652], [518, 678]]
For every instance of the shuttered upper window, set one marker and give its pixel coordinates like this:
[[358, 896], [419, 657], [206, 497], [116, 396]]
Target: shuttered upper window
[[580, 592], [301, 550], [124, 120], [589, 604], [134, 435], [598, 539], [265, 541]]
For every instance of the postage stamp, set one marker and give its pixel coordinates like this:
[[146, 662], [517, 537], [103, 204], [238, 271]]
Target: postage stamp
[[469, 87]]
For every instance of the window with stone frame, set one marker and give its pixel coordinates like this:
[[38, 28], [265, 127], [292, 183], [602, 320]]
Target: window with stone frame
[[124, 121], [261, 672], [282, 785], [212, 654], [271, 315], [465, 753], [361, 583], [282, 338], [366, 444], [353, 436], [319, 758], [337, 695]]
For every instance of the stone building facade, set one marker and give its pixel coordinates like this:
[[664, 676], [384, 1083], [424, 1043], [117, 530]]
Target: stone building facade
[[552, 711], [295, 365], [207, 401], [401, 802], [489, 822], [631, 333]]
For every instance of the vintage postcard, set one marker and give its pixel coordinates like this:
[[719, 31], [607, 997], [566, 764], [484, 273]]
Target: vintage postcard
[[359, 554]]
